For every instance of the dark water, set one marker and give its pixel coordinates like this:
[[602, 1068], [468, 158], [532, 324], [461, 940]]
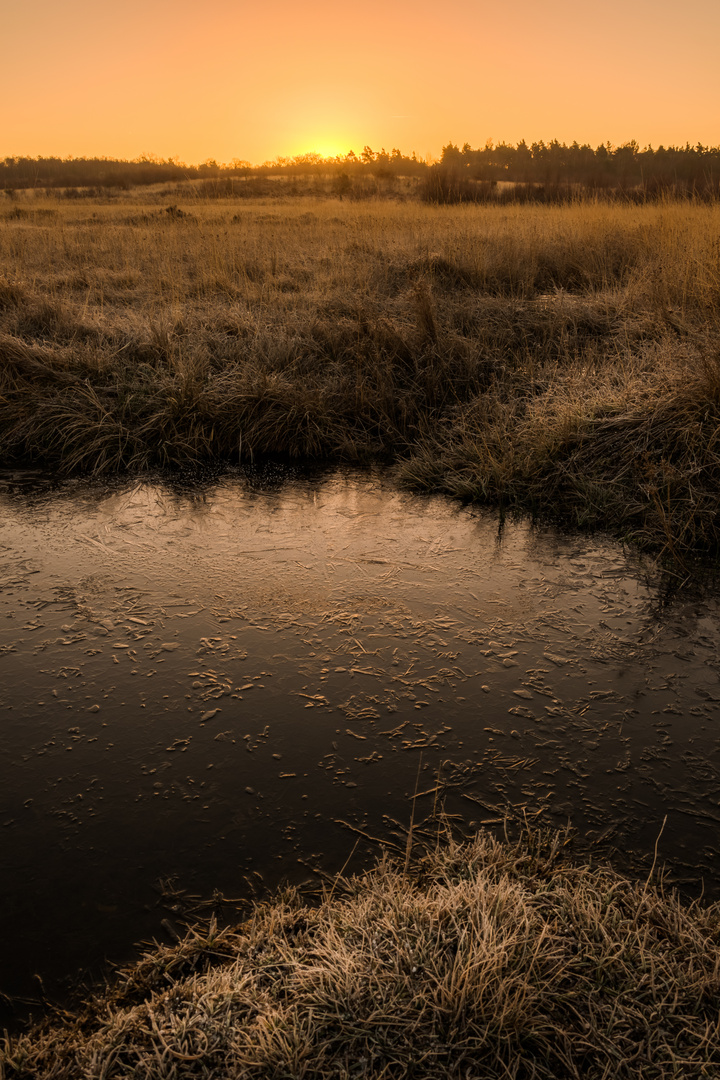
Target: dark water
[[226, 686]]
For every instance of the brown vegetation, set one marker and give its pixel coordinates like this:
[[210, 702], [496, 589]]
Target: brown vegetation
[[562, 360], [492, 960]]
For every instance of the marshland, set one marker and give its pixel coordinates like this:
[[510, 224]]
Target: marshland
[[333, 526], [562, 360]]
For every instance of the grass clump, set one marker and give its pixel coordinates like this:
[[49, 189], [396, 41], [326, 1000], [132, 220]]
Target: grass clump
[[491, 959], [557, 359]]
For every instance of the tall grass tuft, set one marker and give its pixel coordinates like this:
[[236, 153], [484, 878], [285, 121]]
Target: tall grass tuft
[[490, 960]]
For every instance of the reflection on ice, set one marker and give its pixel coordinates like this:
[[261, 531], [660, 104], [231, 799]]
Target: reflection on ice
[[225, 682]]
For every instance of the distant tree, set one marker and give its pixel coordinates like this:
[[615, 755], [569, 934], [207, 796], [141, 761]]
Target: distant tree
[[451, 155]]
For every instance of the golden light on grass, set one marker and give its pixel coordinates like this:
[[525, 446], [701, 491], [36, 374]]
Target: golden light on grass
[[559, 359]]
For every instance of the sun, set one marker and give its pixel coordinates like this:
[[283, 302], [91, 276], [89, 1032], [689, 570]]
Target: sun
[[331, 149], [325, 145]]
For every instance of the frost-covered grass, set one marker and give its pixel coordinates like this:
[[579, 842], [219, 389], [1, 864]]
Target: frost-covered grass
[[563, 360], [487, 960]]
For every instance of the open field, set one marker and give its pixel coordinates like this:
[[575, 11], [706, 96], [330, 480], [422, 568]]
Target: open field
[[561, 360], [491, 960]]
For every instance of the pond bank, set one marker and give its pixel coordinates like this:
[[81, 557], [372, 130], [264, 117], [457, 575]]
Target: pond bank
[[490, 959], [560, 360]]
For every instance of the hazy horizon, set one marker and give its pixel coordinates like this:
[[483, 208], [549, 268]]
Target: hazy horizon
[[287, 160]]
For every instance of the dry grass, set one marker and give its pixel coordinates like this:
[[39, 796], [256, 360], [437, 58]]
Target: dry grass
[[491, 960], [558, 359]]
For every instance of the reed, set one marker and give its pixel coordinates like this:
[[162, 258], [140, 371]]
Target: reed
[[558, 359]]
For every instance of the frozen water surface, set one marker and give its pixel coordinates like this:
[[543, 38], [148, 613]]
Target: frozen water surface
[[225, 685]]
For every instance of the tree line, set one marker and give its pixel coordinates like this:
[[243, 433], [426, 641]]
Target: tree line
[[605, 166], [55, 172], [461, 173]]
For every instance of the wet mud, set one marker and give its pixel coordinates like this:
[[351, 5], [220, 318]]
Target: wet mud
[[213, 688]]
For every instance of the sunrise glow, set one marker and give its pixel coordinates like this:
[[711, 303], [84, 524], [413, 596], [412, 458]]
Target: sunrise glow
[[254, 83], [325, 146]]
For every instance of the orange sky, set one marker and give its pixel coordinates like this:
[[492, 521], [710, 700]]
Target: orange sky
[[230, 78]]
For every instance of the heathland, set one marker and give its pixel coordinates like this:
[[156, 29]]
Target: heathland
[[559, 359]]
